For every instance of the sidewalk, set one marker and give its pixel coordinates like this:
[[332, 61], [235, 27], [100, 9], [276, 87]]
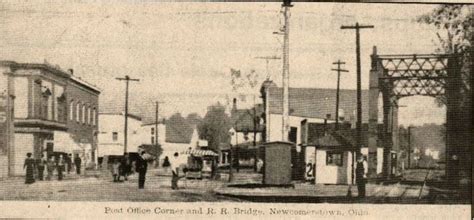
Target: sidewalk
[[250, 189]]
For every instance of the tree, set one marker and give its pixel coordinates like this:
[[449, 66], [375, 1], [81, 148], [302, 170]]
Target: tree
[[177, 128], [455, 29], [215, 126]]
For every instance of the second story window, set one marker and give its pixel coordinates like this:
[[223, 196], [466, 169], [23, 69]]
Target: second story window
[[78, 112], [94, 116], [83, 118], [114, 136], [71, 111], [89, 116]]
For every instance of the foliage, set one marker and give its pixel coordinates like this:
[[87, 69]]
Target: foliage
[[215, 126], [240, 81], [454, 24], [455, 27]]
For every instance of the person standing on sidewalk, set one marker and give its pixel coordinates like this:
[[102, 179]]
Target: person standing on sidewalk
[[77, 163], [50, 168], [116, 170], [60, 166], [30, 168], [175, 171], [125, 167], [361, 175], [68, 163], [41, 165], [141, 168]]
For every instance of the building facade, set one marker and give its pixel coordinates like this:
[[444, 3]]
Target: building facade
[[111, 134], [51, 112]]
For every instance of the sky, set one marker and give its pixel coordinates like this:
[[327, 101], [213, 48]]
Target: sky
[[182, 52]]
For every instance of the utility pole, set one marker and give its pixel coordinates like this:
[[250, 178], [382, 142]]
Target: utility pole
[[286, 67], [339, 70], [267, 59], [357, 28], [409, 146], [127, 79], [156, 120]]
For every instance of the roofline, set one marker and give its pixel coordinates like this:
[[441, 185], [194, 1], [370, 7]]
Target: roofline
[[85, 84], [114, 113], [50, 68], [153, 123], [313, 88]]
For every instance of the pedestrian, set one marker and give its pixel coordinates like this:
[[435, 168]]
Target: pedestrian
[[125, 167], [166, 164], [30, 167], [174, 171], [361, 175], [141, 167], [60, 167], [41, 164], [50, 165], [68, 163], [77, 163], [115, 171]]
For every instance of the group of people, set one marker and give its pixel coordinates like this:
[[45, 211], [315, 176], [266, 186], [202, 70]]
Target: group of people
[[123, 168], [35, 168]]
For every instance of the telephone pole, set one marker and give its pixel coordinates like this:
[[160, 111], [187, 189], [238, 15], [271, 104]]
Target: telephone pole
[[285, 31], [357, 28], [127, 79], [157, 105], [339, 70], [267, 59]]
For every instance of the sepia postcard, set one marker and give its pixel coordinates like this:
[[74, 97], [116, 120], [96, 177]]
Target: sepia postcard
[[240, 110]]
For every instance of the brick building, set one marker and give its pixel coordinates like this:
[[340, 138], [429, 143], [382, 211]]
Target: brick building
[[52, 112]]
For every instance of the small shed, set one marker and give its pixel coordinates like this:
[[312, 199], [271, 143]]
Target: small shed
[[333, 159], [277, 163]]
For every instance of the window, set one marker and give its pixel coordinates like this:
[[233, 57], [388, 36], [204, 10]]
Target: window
[[78, 112], [83, 119], [334, 158], [89, 119], [292, 136], [60, 102], [114, 136], [152, 131], [152, 140], [71, 111], [94, 117]]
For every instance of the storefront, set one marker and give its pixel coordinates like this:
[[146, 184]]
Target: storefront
[[201, 163]]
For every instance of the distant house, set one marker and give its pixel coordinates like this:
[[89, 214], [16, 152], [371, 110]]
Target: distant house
[[111, 134], [150, 135], [177, 139], [246, 128]]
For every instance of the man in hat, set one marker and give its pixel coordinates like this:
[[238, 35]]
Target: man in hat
[[361, 175], [141, 168]]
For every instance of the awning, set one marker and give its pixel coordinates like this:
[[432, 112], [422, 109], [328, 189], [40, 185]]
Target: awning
[[200, 153], [63, 142]]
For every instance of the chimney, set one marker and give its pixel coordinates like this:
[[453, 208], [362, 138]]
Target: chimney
[[71, 71]]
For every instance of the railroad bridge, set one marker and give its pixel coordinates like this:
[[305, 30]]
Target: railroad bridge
[[396, 76]]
